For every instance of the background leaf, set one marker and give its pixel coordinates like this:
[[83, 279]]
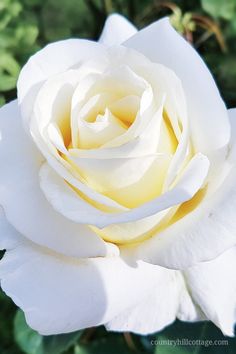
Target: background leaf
[[220, 8], [114, 343], [33, 343]]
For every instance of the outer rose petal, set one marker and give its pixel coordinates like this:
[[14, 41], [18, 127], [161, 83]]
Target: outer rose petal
[[169, 299], [8, 236], [204, 233], [24, 203], [116, 30], [210, 127], [51, 60], [69, 294], [213, 287], [205, 291]]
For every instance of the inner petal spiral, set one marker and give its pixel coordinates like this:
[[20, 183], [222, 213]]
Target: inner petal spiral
[[116, 131]]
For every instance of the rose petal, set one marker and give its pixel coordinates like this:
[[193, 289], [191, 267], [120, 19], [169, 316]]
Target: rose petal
[[205, 232], [213, 287], [92, 291], [120, 81], [53, 59], [169, 299], [9, 237], [116, 30], [110, 175], [24, 203], [210, 127], [66, 201], [144, 137], [53, 104]]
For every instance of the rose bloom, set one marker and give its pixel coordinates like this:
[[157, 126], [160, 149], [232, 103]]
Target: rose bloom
[[117, 186]]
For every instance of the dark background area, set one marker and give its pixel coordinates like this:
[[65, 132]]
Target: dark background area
[[28, 25]]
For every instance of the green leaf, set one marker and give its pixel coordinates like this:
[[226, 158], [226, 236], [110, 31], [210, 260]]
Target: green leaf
[[7, 82], [7, 345], [172, 340], [7, 39], [75, 17], [26, 34], [190, 338], [33, 343], [9, 64], [220, 8], [9, 9], [60, 343], [165, 345], [2, 102], [112, 343], [28, 340]]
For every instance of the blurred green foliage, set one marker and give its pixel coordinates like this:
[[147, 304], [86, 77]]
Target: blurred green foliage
[[33, 343], [28, 25], [220, 9]]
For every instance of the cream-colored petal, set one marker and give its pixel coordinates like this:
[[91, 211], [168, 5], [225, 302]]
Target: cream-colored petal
[[108, 176], [210, 128], [65, 200], [126, 108], [213, 287], [119, 81], [168, 299], [49, 152], [202, 232], [92, 291], [55, 58], [116, 30], [92, 135], [25, 206]]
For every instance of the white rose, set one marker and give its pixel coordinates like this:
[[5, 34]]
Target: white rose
[[118, 194]]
